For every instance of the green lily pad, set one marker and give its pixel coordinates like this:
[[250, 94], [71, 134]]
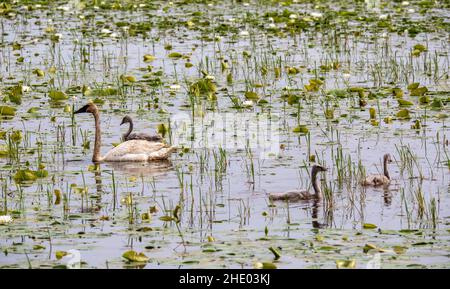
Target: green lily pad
[[301, 129], [56, 95], [175, 55], [25, 176], [251, 95], [350, 264], [403, 114], [60, 254], [133, 256], [403, 102], [369, 226], [7, 111]]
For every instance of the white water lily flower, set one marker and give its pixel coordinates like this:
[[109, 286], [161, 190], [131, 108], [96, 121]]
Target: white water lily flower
[[383, 16], [405, 3], [5, 219], [272, 25], [271, 19], [316, 14], [64, 8], [142, 5], [244, 33], [346, 75], [411, 10], [38, 5], [175, 87], [247, 103], [114, 35], [59, 35], [105, 31], [293, 16], [25, 88], [210, 77], [231, 19], [246, 4]]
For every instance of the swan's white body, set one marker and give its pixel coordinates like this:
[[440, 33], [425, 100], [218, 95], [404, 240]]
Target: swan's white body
[[138, 151], [376, 180]]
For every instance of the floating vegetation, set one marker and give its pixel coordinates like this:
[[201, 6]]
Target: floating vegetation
[[7, 111], [134, 256], [338, 83], [57, 96]]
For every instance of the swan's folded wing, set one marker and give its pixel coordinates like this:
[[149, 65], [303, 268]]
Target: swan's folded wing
[[161, 154], [144, 136], [138, 150], [292, 196], [375, 180]]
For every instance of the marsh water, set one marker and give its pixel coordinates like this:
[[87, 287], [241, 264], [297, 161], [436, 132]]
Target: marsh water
[[343, 83]]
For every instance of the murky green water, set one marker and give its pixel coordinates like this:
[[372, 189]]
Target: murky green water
[[150, 60]]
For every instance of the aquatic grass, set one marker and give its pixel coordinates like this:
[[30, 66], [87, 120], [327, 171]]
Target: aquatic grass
[[359, 58]]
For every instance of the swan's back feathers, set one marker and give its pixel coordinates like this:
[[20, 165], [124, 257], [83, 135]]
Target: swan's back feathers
[[144, 136], [291, 196], [138, 151], [376, 180]]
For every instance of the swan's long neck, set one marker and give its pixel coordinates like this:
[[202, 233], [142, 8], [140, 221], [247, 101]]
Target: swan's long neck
[[130, 129], [386, 173], [98, 140], [316, 184]]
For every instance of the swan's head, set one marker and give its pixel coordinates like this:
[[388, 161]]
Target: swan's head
[[88, 108], [126, 119], [317, 168], [387, 158]]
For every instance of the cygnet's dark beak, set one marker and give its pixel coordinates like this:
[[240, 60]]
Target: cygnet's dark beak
[[82, 110]]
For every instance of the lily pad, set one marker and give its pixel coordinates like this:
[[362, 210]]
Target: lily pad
[[350, 264], [369, 226], [56, 95], [175, 55], [133, 256], [7, 111]]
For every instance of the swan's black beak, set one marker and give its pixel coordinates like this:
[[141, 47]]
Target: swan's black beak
[[82, 110], [123, 121]]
